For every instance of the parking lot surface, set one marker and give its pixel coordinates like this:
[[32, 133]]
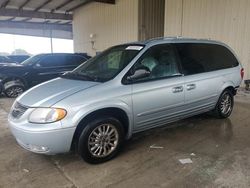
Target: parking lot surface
[[218, 149]]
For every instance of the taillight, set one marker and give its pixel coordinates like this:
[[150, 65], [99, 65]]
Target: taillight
[[242, 73]]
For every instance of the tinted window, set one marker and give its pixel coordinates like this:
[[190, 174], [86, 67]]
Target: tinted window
[[198, 58], [52, 61], [74, 60], [160, 60], [18, 58], [33, 60], [4, 59]]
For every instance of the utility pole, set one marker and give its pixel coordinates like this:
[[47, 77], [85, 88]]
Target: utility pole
[[51, 41]]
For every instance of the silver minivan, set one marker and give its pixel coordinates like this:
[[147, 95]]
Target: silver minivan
[[124, 90]]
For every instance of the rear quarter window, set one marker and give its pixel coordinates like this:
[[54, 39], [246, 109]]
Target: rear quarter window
[[198, 58]]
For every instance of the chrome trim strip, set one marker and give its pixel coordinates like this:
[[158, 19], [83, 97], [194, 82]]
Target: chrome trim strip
[[160, 109], [143, 128], [173, 106], [174, 114]]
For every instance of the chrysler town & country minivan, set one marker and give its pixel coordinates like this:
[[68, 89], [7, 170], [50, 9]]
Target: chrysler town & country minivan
[[126, 89]]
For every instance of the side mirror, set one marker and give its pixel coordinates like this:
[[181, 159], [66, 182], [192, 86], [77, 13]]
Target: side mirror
[[139, 73], [37, 65]]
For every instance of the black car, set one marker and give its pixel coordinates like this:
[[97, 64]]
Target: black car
[[18, 58], [15, 78], [5, 60]]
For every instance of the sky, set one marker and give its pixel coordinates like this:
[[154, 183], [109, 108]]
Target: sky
[[33, 45]]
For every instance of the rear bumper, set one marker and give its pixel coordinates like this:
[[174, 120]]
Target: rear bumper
[[47, 142]]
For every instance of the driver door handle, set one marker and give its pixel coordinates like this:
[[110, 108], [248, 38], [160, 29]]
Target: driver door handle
[[191, 86]]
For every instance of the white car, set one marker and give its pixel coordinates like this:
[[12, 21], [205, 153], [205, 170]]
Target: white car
[[126, 89]]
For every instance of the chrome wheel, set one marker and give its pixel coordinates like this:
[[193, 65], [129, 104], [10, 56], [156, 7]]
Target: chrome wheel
[[14, 91], [103, 140], [226, 104]]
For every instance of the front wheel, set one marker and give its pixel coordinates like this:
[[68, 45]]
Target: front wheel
[[14, 91], [225, 104], [101, 140]]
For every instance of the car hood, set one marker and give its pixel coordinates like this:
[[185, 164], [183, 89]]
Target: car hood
[[11, 68], [10, 64], [51, 92]]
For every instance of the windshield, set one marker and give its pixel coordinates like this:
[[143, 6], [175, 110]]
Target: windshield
[[32, 60], [107, 65]]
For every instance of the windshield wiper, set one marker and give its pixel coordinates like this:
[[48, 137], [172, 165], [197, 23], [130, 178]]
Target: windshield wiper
[[77, 76]]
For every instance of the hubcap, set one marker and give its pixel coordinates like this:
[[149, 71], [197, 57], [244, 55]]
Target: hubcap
[[14, 91], [103, 140], [226, 104]]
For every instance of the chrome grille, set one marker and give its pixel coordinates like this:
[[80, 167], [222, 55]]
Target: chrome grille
[[18, 110]]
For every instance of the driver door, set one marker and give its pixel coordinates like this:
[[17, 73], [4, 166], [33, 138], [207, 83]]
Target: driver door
[[159, 97], [48, 68]]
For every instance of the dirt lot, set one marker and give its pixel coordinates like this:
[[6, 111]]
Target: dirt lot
[[219, 150]]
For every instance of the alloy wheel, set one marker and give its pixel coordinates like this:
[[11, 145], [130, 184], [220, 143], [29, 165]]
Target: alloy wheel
[[14, 91], [226, 104], [103, 140]]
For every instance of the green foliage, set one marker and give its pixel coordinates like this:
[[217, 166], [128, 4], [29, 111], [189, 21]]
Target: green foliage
[[20, 52]]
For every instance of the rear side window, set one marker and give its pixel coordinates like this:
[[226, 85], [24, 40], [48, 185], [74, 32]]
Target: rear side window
[[52, 61], [74, 60], [198, 58]]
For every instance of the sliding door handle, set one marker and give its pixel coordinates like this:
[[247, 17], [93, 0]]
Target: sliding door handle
[[177, 89]]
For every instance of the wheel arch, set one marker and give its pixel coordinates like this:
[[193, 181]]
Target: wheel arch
[[13, 77], [231, 87], [218, 112], [115, 112]]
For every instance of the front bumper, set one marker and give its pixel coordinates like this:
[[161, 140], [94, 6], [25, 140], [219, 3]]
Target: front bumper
[[47, 142]]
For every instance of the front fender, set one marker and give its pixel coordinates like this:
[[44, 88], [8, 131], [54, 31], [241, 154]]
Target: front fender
[[79, 113], [15, 80]]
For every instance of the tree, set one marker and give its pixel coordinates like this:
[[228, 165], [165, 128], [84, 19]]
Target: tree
[[20, 52], [4, 53]]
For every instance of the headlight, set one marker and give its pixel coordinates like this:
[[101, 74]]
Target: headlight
[[47, 115]]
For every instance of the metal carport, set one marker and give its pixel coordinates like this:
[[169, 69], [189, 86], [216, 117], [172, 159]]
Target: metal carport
[[45, 18]]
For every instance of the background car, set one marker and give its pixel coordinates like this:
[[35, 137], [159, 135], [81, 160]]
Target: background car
[[84, 55], [18, 58], [16, 78], [4, 60]]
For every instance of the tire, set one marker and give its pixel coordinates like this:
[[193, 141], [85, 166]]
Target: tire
[[14, 91], [1, 88], [92, 138], [225, 104]]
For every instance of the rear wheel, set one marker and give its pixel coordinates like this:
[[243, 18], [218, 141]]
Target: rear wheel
[[101, 140], [225, 104], [14, 91]]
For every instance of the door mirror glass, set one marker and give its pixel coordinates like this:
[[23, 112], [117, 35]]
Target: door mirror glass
[[139, 73], [37, 65]]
